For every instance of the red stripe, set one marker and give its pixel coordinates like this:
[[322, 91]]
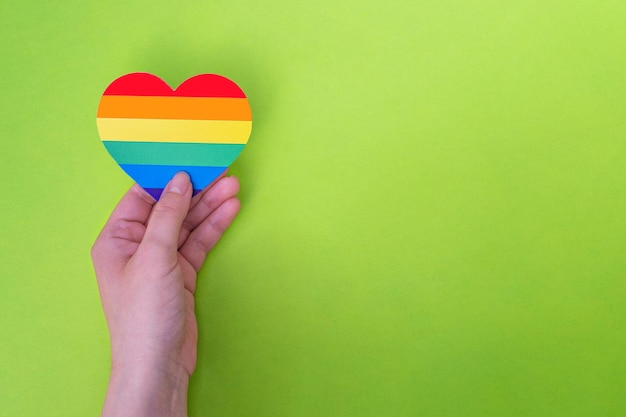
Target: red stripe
[[138, 84], [203, 85], [209, 85]]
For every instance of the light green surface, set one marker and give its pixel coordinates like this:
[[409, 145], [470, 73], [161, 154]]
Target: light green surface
[[434, 205]]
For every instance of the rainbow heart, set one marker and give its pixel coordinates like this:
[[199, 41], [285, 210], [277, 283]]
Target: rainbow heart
[[153, 132]]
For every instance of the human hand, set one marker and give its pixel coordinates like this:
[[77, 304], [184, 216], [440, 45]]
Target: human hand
[[146, 260]]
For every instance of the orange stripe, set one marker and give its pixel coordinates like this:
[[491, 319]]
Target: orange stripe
[[189, 108]]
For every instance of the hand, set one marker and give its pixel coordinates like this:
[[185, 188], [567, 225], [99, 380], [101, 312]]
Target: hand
[[146, 260]]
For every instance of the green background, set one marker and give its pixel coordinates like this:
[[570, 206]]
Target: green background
[[433, 199]]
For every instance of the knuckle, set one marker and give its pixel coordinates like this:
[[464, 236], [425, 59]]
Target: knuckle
[[207, 202], [200, 244], [160, 243], [232, 205], [219, 227], [222, 191], [167, 206], [118, 230], [95, 250]]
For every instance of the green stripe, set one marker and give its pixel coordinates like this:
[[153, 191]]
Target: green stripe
[[165, 153]]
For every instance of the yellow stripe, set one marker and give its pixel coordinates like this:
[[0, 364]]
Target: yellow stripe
[[172, 130]]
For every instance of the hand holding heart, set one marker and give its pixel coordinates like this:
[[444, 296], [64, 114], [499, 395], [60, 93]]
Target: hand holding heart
[[146, 260]]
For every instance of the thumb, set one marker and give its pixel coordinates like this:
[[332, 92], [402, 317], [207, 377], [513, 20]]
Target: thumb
[[168, 214]]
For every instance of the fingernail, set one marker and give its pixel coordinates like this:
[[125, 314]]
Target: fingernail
[[179, 184]]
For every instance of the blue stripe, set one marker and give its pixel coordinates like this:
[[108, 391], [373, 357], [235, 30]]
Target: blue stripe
[[157, 176]]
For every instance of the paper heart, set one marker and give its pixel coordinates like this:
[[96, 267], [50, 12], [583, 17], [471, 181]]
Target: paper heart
[[153, 132]]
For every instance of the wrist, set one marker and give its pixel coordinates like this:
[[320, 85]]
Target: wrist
[[146, 388]]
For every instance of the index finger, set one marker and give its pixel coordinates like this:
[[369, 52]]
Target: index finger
[[135, 206], [124, 229]]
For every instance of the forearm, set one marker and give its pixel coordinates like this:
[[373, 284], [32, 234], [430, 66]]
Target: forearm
[[137, 391]]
